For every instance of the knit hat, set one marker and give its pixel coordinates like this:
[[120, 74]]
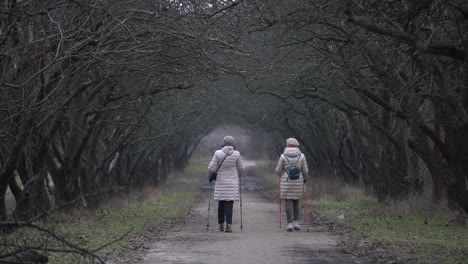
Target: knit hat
[[228, 141], [292, 142]]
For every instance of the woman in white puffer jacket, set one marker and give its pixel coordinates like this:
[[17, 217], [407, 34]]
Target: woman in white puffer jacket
[[227, 182], [292, 190]]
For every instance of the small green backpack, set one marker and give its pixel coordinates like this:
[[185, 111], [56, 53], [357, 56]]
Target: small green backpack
[[294, 171]]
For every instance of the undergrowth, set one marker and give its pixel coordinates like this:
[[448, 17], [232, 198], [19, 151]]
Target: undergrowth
[[109, 228], [415, 228]]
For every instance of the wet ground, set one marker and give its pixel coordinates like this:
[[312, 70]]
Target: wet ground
[[260, 241]]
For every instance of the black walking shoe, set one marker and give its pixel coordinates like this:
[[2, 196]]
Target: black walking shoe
[[228, 228], [221, 227]]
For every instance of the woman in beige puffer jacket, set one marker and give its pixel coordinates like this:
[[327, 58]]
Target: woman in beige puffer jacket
[[292, 190], [227, 182]]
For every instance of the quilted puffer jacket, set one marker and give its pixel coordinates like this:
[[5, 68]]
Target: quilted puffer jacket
[[292, 189], [227, 182]]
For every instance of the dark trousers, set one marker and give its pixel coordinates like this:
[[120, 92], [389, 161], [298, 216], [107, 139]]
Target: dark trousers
[[292, 210], [225, 212]]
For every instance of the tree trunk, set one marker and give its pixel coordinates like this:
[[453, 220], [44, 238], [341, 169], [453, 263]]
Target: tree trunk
[[3, 214], [11, 164], [22, 207], [164, 166], [181, 157], [436, 178], [457, 146], [58, 177], [399, 172], [456, 189], [36, 192], [348, 171]]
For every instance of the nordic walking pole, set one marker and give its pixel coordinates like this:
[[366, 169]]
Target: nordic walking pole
[[279, 192], [306, 206], [240, 197], [209, 207]]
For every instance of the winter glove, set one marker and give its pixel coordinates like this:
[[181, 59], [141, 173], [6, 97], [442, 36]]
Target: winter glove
[[213, 176]]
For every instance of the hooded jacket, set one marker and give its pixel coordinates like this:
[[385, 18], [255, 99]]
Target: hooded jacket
[[227, 181], [292, 189]]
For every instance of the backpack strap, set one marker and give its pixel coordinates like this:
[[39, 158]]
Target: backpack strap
[[300, 156], [297, 161], [222, 162]]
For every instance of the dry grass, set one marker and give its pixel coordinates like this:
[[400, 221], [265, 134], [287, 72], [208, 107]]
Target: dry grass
[[422, 206], [413, 228], [149, 208], [332, 189]]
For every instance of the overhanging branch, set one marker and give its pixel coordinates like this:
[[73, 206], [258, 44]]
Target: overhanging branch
[[436, 49]]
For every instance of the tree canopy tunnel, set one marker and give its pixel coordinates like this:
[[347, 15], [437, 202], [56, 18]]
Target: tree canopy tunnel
[[383, 96], [101, 95]]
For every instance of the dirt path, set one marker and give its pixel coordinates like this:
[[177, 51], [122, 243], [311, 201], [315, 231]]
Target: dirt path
[[260, 241]]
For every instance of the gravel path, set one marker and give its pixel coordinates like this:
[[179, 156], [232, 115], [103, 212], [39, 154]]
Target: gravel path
[[260, 241]]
